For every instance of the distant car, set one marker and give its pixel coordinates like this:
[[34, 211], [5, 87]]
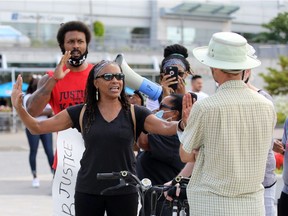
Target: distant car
[[11, 37]]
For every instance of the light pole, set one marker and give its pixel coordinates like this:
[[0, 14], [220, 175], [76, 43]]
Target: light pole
[[182, 30], [92, 43]]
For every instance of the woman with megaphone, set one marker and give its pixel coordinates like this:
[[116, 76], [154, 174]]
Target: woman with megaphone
[[108, 133]]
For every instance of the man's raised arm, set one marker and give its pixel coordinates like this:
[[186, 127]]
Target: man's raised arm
[[40, 98]]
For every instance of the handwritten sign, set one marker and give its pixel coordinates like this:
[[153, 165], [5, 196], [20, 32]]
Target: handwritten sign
[[70, 147]]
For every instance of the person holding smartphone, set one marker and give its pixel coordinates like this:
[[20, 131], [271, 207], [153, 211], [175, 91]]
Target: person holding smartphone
[[174, 69]]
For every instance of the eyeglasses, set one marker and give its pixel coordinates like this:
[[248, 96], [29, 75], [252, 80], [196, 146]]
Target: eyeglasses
[[166, 106], [110, 76]]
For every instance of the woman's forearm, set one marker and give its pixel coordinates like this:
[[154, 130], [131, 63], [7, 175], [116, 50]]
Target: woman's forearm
[[30, 122], [187, 170]]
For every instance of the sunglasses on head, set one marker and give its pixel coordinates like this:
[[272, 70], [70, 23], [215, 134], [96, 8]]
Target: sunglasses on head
[[166, 106], [110, 76]]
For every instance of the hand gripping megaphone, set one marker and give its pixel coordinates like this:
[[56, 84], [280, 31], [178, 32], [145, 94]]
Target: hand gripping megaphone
[[137, 82]]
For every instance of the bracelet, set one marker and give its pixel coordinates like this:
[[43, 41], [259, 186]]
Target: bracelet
[[55, 78], [179, 126]]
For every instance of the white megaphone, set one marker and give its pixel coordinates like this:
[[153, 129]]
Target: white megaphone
[[137, 82]]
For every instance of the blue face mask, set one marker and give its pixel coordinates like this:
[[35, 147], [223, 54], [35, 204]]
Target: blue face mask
[[160, 114]]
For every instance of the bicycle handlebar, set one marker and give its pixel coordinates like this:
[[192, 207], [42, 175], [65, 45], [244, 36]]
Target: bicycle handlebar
[[113, 175], [141, 186], [144, 184], [181, 180]]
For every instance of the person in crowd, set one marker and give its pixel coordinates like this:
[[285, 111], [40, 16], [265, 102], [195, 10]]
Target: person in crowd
[[66, 85], [232, 132], [33, 140], [281, 147], [108, 136], [136, 98], [174, 55], [160, 161], [196, 87], [270, 180]]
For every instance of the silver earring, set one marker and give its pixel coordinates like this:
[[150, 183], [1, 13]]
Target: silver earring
[[97, 96]]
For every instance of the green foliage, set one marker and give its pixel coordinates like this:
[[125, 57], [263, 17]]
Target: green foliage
[[281, 106], [140, 31], [277, 80], [280, 118], [278, 28], [99, 29], [263, 37], [277, 31]]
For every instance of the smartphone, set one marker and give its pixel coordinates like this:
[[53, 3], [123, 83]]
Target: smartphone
[[173, 72], [194, 96]]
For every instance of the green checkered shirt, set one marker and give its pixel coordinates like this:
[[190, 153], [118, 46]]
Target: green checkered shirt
[[233, 131]]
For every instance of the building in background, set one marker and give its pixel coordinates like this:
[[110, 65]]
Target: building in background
[[149, 22], [138, 28], [10, 37]]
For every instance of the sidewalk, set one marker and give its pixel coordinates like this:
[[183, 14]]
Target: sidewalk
[[17, 197]]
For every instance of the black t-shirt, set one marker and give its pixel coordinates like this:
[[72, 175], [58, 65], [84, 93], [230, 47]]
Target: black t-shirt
[[108, 148], [162, 163]]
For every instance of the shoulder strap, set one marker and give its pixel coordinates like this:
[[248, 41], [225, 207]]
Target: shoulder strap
[[132, 109], [81, 118], [133, 119]]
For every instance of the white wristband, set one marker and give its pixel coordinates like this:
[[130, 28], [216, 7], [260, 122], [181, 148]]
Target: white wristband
[[179, 134]]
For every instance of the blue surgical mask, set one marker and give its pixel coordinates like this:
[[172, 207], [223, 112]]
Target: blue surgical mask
[[160, 114]]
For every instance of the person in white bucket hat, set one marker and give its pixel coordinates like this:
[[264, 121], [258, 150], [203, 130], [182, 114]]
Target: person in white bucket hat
[[226, 50], [232, 131]]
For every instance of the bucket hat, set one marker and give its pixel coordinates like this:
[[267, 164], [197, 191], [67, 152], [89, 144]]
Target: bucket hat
[[226, 50]]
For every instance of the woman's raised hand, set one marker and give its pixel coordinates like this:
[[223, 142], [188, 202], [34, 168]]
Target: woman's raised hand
[[181, 86], [187, 104], [17, 94], [166, 81]]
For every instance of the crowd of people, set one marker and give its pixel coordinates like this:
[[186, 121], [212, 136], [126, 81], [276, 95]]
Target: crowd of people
[[222, 142]]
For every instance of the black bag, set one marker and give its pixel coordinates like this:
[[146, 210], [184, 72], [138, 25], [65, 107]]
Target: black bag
[[282, 207]]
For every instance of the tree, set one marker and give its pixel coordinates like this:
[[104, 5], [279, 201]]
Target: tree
[[279, 27], [277, 80], [277, 30], [99, 29]]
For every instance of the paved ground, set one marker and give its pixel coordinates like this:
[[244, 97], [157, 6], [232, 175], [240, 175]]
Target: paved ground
[[17, 197]]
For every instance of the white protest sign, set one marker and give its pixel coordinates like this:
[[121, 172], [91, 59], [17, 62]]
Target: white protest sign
[[70, 147]]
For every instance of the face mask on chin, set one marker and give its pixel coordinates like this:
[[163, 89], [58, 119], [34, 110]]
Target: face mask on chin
[[160, 114], [76, 62]]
